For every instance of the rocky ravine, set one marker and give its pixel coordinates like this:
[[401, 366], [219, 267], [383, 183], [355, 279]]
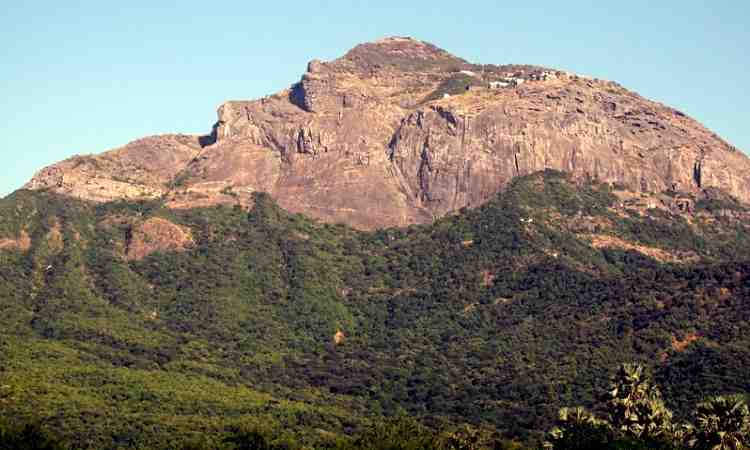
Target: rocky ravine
[[399, 132]]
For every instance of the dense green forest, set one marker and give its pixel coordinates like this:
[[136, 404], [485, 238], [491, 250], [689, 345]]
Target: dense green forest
[[491, 319]]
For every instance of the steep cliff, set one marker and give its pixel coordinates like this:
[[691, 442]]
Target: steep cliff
[[399, 131]]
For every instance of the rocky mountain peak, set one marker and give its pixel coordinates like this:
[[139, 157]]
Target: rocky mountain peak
[[403, 54], [398, 131]]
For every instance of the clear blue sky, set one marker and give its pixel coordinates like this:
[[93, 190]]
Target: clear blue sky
[[85, 76]]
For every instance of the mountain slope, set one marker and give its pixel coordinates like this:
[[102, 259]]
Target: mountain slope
[[399, 132], [497, 315]]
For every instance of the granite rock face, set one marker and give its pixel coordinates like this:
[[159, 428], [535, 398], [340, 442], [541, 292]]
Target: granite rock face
[[399, 131]]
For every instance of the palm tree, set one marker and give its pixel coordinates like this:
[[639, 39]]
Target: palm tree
[[683, 434], [578, 429], [722, 423], [636, 406]]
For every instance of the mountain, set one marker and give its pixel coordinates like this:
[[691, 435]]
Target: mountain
[[168, 293], [400, 132]]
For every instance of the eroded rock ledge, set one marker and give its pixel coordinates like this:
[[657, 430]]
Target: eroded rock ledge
[[399, 132]]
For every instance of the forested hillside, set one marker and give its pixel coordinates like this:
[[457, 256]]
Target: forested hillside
[[134, 325]]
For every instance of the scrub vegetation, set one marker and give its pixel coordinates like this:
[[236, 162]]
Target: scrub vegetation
[[270, 330]]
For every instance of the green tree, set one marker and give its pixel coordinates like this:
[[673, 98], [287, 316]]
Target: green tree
[[256, 438], [401, 433], [468, 437], [6, 395], [26, 437]]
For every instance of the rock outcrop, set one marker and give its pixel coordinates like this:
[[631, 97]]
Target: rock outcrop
[[156, 235], [21, 243], [399, 132]]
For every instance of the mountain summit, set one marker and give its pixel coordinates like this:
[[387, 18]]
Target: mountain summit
[[399, 131]]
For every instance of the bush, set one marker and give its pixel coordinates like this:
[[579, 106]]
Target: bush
[[29, 436]]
